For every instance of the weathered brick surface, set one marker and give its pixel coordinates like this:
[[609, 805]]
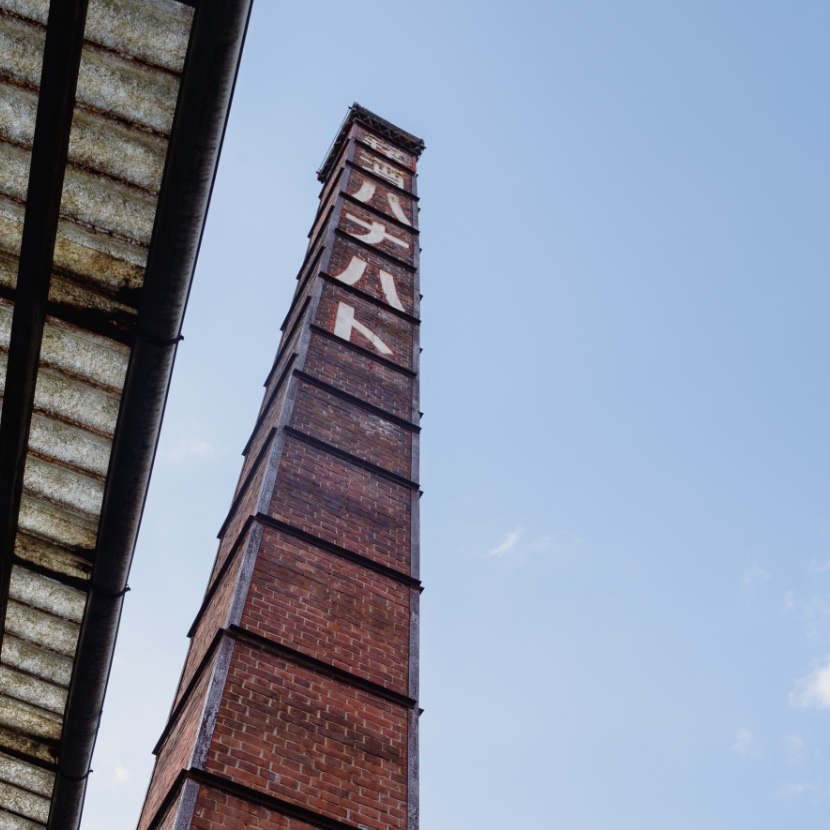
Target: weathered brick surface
[[216, 810], [289, 341], [330, 609], [289, 732], [270, 419], [383, 197], [316, 252], [168, 819], [360, 376], [343, 503], [344, 249], [314, 709], [177, 749], [215, 616], [315, 237], [398, 242], [244, 506], [349, 427], [333, 181], [396, 333]]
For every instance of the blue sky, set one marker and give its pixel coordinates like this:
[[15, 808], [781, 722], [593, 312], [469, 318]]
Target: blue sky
[[625, 526]]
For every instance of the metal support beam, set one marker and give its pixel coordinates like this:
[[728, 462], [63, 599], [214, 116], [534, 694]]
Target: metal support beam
[[205, 96], [59, 77]]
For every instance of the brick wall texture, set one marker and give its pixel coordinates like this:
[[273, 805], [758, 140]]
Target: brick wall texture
[[297, 704], [216, 810]]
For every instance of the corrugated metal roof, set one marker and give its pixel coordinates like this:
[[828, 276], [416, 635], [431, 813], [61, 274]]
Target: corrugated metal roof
[[128, 86]]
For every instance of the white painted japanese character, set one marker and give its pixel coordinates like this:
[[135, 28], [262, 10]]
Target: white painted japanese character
[[354, 274], [367, 191], [397, 208], [387, 172], [383, 147], [354, 271], [345, 323], [377, 233], [387, 283]]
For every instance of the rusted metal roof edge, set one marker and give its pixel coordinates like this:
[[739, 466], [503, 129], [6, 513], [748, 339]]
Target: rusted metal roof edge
[[204, 101], [59, 77]]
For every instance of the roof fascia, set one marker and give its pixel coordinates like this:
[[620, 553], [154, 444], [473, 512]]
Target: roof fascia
[[208, 79], [56, 102]]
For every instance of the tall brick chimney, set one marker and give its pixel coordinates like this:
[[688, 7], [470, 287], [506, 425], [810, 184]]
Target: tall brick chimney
[[297, 707]]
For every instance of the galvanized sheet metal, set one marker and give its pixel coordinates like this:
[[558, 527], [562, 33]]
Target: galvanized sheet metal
[[60, 485], [21, 45], [10, 821], [11, 227], [33, 9], [41, 628], [126, 97], [46, 664], [32, 720], [94, 305], [40, 751], [107, 205], [128, 90], [61, 560], [82, 354], [103, 259], [17, 113], [14, 170], [70, 445], [75, 351], [48, 595], [27, 804], [50, 522], [120, 87], [25, 788], [75, 402], [126, 153], [32, 690], [154, 31], [25, 776]]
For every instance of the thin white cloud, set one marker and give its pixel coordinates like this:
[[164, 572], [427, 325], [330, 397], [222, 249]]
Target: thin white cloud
[[789, 600], [816, 612], [541, 544], [813, 690], [120, 774], [793, 749], [559, 544], [799, 789], [508, 544], [755, 573], [817, 567], [192, 448], [746, 745], [559, 541]]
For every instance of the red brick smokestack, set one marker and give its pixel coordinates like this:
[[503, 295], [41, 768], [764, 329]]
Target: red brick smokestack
[[297, 707]]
